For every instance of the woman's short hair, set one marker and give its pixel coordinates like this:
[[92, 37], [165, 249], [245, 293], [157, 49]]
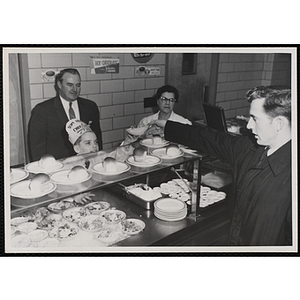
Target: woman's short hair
[[169, 89]]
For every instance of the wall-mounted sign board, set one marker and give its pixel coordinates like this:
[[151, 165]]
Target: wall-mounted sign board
[[105, 65]]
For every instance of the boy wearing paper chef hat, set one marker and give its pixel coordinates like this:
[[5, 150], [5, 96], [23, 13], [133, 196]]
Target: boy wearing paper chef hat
[[82, 137]]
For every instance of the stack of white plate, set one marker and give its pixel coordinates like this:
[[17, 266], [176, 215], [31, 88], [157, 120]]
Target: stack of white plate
[[168, 209]]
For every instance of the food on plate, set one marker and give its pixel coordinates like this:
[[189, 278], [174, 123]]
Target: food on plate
[[92, 223], [172, 150], [109, 165], [132, 226], [157, 140], [97, 207], [27, 227], [78, 173], [139, 154], [137, 131], [36, 214], [49, 222], [47, 161], [144, 191], [20, 241], [37, 235], [113, 216], [108, 235], [64, 231], [58, 207], [75, 214], [38, 182]]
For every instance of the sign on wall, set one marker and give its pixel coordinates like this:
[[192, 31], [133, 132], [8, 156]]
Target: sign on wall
[[147, 71], [142, 57], [105, 65], [49, 75]]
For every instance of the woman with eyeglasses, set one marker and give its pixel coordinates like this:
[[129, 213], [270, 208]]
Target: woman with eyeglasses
[[166, 97]]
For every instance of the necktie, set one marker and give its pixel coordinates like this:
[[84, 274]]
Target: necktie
[[71, 112]]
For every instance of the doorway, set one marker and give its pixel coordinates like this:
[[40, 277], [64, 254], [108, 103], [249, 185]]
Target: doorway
[[194, 87]]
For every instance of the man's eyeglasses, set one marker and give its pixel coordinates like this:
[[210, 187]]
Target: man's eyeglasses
[[166, 100]]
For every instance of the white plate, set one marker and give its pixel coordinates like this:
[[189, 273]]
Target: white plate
[[96, 208], [21, 190], [132, 226], [169, 205], [49, 222], [113, 216], [35, 168], [74, 214], [161, 152], [169, 219], [20, 241], [148, 143], [49, 242], [121, 168], [170, 214], [62, 178], [27, 227], [109, 235], [137, 131], [149, 161], [18, 220], [92, 223], [58, 207], [66, 231], [18, 175], [37, 235]]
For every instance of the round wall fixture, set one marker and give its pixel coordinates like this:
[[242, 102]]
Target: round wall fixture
[[142, 57]]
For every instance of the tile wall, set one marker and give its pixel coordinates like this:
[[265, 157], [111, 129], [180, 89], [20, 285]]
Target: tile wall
[[239, 72], [120, 97]]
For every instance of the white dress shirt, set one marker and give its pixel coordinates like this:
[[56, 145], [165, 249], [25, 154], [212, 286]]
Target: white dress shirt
[[66, 107]]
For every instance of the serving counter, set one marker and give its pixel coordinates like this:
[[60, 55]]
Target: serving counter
[[203, 226]]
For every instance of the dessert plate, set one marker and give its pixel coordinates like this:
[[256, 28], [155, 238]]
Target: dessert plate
[[149, 161], [35, 168], [64, 231], [20, 241], [74, 214], [18, 175], [109, 235], [149, 143], [162, 153], [21, 190], [62, 178], [96, 208], [132, 226], [120, 168], [113, 216], [137, 131], [92, 223]]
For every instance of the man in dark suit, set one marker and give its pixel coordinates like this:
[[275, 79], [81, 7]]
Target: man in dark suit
[[46, 129]]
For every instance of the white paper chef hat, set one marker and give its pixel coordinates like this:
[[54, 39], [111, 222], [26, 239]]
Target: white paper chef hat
[[75, 129]]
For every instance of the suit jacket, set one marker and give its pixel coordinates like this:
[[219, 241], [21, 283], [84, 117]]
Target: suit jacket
[[46, 128]]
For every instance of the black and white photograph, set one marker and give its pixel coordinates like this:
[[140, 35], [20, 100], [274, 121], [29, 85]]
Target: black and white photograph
[[132, 150]]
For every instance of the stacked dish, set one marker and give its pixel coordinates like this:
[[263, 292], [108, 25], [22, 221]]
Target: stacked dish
[[168, 209]]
